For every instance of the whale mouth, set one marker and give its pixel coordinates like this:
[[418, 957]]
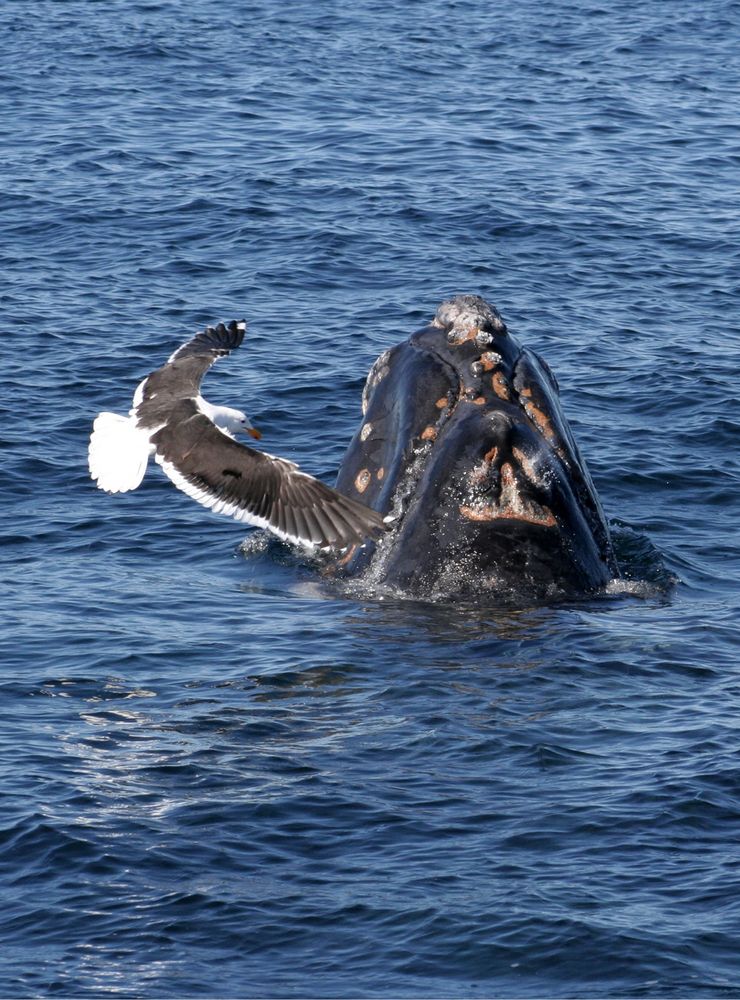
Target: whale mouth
[[500, 473]]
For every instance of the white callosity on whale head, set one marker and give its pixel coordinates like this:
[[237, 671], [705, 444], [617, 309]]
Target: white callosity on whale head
[[376, 374], [469, 317]]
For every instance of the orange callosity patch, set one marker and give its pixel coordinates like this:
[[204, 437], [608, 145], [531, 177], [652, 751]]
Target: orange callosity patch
[[539, 418], [479, 473], [362, 480], [487, 512], [461, 337], [346, 558], [499, 385], [525, 465], [511, 505]]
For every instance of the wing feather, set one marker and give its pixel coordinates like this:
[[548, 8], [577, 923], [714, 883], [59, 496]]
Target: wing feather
[[325, 525], [234, 479]]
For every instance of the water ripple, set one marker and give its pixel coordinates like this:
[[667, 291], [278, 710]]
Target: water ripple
[[224, 773]]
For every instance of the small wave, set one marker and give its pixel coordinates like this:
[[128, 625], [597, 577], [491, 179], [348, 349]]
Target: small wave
[[644, 573]]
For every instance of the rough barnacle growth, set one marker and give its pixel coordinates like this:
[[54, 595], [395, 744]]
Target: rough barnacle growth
[[489, 360], [376, 374], [511, 504], [468, 317], [479, 473]]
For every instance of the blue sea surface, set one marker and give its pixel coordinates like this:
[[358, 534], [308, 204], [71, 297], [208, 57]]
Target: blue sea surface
[[224, 776]]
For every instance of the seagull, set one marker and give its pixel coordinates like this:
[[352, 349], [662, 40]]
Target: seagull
[[195, 444]]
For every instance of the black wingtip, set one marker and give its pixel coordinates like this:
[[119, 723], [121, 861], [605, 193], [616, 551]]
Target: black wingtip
[[223, 336], [215, 341]]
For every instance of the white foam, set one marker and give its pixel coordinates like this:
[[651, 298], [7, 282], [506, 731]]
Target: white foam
[[636, 588]]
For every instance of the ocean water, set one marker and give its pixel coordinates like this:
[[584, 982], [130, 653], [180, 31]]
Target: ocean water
[[220, 775]]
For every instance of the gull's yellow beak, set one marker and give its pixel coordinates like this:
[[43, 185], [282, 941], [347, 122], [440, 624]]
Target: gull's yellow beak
[[253, 432]]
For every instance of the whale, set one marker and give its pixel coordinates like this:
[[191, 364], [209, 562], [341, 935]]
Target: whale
[[465, 451]]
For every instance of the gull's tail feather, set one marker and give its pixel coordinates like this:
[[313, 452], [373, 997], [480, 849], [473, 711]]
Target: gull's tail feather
[[118, 453]]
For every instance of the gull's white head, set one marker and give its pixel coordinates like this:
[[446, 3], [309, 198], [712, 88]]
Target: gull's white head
[[233, 422]]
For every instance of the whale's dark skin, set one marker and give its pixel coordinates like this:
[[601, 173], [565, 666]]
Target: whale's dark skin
[[465, 443]]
